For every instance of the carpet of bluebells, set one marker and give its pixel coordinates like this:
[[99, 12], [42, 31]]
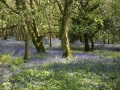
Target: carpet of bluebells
[[97, 70]]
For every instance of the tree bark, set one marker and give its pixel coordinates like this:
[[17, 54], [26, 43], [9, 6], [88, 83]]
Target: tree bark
[[92, 43], [33, 30], [64, 29], [50, 41], [37, 39], [86, 37], [4, 34], [26, 55]]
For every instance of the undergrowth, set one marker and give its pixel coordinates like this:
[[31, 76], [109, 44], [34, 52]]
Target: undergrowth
[[64, 76], [102, 73]]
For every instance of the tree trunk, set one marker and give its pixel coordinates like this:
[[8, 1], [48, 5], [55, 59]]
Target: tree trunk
[[33, 30], [64, 29], [108, 41], [113, 39], [37, 39], [86, 37], [92, 43], [104, 41], [81, 38], [26, 56], [50, 40], [4, 34]]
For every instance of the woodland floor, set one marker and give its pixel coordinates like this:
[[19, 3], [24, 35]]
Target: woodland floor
[[103, 62]]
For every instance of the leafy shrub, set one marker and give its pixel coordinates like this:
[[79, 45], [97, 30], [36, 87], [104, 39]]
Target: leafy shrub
[[16, 61], [6, 86], [5, 58]]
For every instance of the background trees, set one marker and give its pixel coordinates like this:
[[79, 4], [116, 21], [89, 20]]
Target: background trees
[[87, 20]]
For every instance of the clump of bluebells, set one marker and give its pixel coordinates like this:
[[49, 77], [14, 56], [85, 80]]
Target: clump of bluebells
[[86, 71]]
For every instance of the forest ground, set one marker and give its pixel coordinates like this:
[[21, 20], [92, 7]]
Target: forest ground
[[98, 70]]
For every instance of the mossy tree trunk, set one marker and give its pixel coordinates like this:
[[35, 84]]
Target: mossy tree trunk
[[64, 29], [36, 38], [33, 29]]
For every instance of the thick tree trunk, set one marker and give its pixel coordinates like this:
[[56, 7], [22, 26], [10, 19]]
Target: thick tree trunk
[[32, 28], [86, 37], [37, 39], [64, 29]]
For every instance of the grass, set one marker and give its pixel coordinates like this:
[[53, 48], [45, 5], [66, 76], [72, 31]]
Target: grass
[[98, 70], [109, 54]]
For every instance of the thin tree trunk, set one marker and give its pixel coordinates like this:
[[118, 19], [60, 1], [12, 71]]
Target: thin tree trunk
[[86, 37], [104, 40], [50, 40], [113, 39], [26, 55], [92, 43], [4, 34], [81, 38]]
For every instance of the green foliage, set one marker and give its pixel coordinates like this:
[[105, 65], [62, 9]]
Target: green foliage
[[72, 75], [40, 56], [6, 86], [110, 54], [59, 76], [16, 61], [4, 59], [77, 49]]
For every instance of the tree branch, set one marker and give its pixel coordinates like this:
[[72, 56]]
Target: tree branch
[[13, 26], [60, 7], [4, 2]]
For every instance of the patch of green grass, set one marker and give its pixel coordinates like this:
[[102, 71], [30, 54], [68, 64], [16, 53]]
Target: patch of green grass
[[77, 49], [8, 60], [42, 55], [110, 54], [16, 61]]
